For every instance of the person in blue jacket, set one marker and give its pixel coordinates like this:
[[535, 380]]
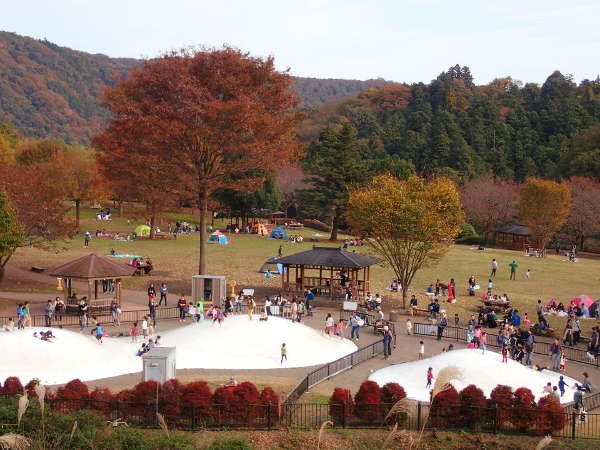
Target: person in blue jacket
[[387, 342]]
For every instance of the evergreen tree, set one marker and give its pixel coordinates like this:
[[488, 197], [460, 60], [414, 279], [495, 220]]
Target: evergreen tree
[[335, 166]]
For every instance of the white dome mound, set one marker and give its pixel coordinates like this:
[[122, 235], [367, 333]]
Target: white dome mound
[[238, 344], [484, 371]]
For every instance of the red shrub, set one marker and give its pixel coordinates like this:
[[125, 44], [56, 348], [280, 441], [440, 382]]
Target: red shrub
[[367, 402], [102, 400], [224, 400], [12, 386], [500, 404], [340, 405], [391, 393], [169, 397], [73, 395], [473, 405], [30, 388], [197, 394], [247, 399], [269, 397], [522, 415], [550, 416], [443, 411]]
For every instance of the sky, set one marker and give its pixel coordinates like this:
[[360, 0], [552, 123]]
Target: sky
[[401, 40]]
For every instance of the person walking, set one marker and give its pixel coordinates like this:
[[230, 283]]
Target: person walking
[[513, 270], [421, 350], [387, 342], [115, 311], [280, 251], [87, 237], [429, 377], [442, 323], [494, 268], [539, 309], [163, 294], [48, 313], [555, 351], [355, 332], [21, 317], [251, 305], [283, 353], [135, 331], [27, 313], [199, 310], [59, 308], [482, 342], [568, 333]]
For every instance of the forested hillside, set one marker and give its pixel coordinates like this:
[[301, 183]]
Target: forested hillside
[[453, 127], [47, 90]]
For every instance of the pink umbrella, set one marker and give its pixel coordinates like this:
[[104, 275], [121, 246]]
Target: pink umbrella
[[586, 299]]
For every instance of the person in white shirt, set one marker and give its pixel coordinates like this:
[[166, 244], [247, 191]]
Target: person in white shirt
[[145, 327], [421, 350]]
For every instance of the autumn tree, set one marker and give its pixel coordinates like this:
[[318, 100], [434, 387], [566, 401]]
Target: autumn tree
[[584, 218], [78, 173], [223, 116], [544, 208], [136, 174], [11, 231], [335, 167], [489, 202], [411, 224]]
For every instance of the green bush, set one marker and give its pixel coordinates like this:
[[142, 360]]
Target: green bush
[[229, 444], [468, 234], [175, 441]]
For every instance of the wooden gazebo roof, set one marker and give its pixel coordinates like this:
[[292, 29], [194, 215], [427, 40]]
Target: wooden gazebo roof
[[516, 229], [93, 266], [330, 257]]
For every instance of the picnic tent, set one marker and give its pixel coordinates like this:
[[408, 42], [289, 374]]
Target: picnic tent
[[217, 238], [583, 299], [595, 308], [272, 265], [278, 233], [142, 231]]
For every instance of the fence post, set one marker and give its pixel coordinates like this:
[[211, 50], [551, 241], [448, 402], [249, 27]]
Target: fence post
[[269, 416], [193, 417], [496, 419], [418, 415], [573, 419]]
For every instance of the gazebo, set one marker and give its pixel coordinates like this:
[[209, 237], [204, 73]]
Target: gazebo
[[514, 237], [328, 271], [103, 277]]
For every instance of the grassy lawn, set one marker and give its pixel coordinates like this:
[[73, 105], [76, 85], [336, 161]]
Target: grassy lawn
[[176, 261]]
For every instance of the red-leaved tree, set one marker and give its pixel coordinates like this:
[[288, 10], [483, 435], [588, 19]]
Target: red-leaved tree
[[550, 416], [102, 400], [340, 405], [197, 396], [444, 408], [270, 402], [223, 116], [522, 416], [12, 386], [367, 402], [500, 404], [391, 393], [473, 406]]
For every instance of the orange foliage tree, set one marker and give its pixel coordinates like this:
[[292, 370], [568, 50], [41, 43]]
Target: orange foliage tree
[[545, 206], [223, 116], [409, 223]]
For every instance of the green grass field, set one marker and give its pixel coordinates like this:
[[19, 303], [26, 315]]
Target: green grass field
[[177, 260]]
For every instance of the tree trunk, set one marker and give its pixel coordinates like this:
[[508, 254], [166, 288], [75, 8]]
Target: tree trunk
[[77, 207], [404, 295], [152, 225], [334, 225], [203, 209], [121, 208], [581, 242]]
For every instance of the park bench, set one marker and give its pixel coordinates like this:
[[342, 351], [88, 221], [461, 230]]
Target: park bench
[[416, 311], [37, 269], [163, 235]]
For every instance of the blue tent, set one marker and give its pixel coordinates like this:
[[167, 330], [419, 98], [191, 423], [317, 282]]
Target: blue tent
[[217, 238], [278, 233]]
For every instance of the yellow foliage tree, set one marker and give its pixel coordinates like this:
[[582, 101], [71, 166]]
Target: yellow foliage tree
[[411, 224], [545, 206]]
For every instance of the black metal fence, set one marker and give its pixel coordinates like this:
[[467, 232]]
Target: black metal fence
[[369, 319], [573, 425], [539, 348], [333, 368]]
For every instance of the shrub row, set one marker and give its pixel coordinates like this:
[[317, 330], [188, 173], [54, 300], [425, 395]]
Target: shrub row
[[242, 404], [505, 409]]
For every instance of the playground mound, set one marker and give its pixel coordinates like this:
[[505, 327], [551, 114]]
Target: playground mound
[[484, 371], [239, 343]]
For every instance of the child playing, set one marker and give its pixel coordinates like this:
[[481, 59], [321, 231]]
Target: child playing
[[421, 350], [456, 319], [135, 331], [408, 327], [528, 273], [263, 317], [561, 385], [563, 361], [283, 353], [526, 320], [429, 377], [505, 354]]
